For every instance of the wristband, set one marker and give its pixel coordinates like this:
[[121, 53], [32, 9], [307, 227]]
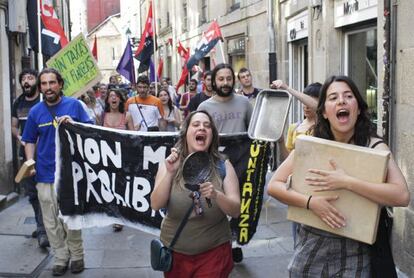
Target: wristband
[[307, 204]]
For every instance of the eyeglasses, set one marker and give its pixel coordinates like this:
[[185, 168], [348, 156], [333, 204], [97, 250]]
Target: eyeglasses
[[198, 207]]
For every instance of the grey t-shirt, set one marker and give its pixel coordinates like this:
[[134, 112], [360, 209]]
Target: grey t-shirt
[[231, 116]]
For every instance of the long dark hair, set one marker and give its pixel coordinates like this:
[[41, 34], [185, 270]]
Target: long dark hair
[[182, 146], [169, 103], [182, 137], [364, 128], [121, 106]]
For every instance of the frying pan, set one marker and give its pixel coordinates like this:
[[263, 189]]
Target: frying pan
[[196, 170]]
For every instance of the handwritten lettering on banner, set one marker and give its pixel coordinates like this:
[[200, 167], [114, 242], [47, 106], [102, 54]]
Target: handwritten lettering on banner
[[111, 173], [77, 67]]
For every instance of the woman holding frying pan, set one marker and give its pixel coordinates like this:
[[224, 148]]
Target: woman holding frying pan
[[204, 245]]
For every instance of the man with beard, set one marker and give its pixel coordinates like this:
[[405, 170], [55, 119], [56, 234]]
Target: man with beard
[[20, 110], [39, 135], [199, 98], [231, 112]]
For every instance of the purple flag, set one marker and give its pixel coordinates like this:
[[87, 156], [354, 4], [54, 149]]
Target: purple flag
[[126, 64], [152, 71]]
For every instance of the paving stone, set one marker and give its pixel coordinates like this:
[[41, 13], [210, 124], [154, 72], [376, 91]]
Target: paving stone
[[20, 255]]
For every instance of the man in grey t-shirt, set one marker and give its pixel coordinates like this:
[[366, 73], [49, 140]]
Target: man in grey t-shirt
[[231, 112]]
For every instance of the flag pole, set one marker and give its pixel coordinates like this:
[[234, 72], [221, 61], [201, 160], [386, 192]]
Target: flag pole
[[39, 35], [221, 48], [222, 51], [154, 32]]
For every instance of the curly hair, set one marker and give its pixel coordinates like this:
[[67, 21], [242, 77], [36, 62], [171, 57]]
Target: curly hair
[[27, 72], [364, 128]]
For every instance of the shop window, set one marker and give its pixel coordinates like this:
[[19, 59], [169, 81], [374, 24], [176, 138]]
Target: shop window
[[361, 65]]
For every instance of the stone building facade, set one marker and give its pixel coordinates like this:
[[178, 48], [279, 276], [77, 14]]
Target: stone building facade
[[243, 26]]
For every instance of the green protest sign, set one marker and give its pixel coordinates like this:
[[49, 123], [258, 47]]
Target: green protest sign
[[77, 66]]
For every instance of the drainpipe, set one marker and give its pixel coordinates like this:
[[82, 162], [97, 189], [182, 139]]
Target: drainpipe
[[272, 42], [388, 97]]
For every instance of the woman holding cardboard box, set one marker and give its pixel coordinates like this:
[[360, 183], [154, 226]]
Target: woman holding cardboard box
[[342, 117]]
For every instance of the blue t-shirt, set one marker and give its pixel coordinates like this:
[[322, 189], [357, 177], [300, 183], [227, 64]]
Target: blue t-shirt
[[40, 126]]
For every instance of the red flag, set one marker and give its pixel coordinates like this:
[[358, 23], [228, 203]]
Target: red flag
[[95, 49], [146, 45], [160, 68], [183, 78], [207, 42], [185, 54], [182, 51], [51, 22]]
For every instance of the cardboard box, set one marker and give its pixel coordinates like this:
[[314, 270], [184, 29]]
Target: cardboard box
[[362, 215], [24, 170]]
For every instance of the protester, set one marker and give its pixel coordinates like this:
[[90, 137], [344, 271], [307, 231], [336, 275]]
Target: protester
[[93, 109], [166, 83], [39, 135], [231, 112], [114, 80], [247, 89], [204, 247], [152, 90], [187, 96], [146, 110], [342, 116], [172, 114], [115, 116], [20, 110], [304, 126], [206, 94], [100, 97]]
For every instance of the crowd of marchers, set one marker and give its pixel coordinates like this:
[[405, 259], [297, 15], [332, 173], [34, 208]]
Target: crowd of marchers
[[334, 110]]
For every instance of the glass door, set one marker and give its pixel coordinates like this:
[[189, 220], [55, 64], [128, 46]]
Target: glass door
[[361, 65], [298, 75]]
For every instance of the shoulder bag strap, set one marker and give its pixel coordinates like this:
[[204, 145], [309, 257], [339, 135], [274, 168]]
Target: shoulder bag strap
[[53, 114], [376, 144], [142, 115], [181, 227]]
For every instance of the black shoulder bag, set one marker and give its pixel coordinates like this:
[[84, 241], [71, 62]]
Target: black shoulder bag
[[161, 256], [382, 262]]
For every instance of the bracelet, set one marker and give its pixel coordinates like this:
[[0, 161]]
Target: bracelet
[[307, 204]]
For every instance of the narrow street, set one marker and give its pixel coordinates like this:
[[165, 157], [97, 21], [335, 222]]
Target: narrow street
[[126, 254]]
